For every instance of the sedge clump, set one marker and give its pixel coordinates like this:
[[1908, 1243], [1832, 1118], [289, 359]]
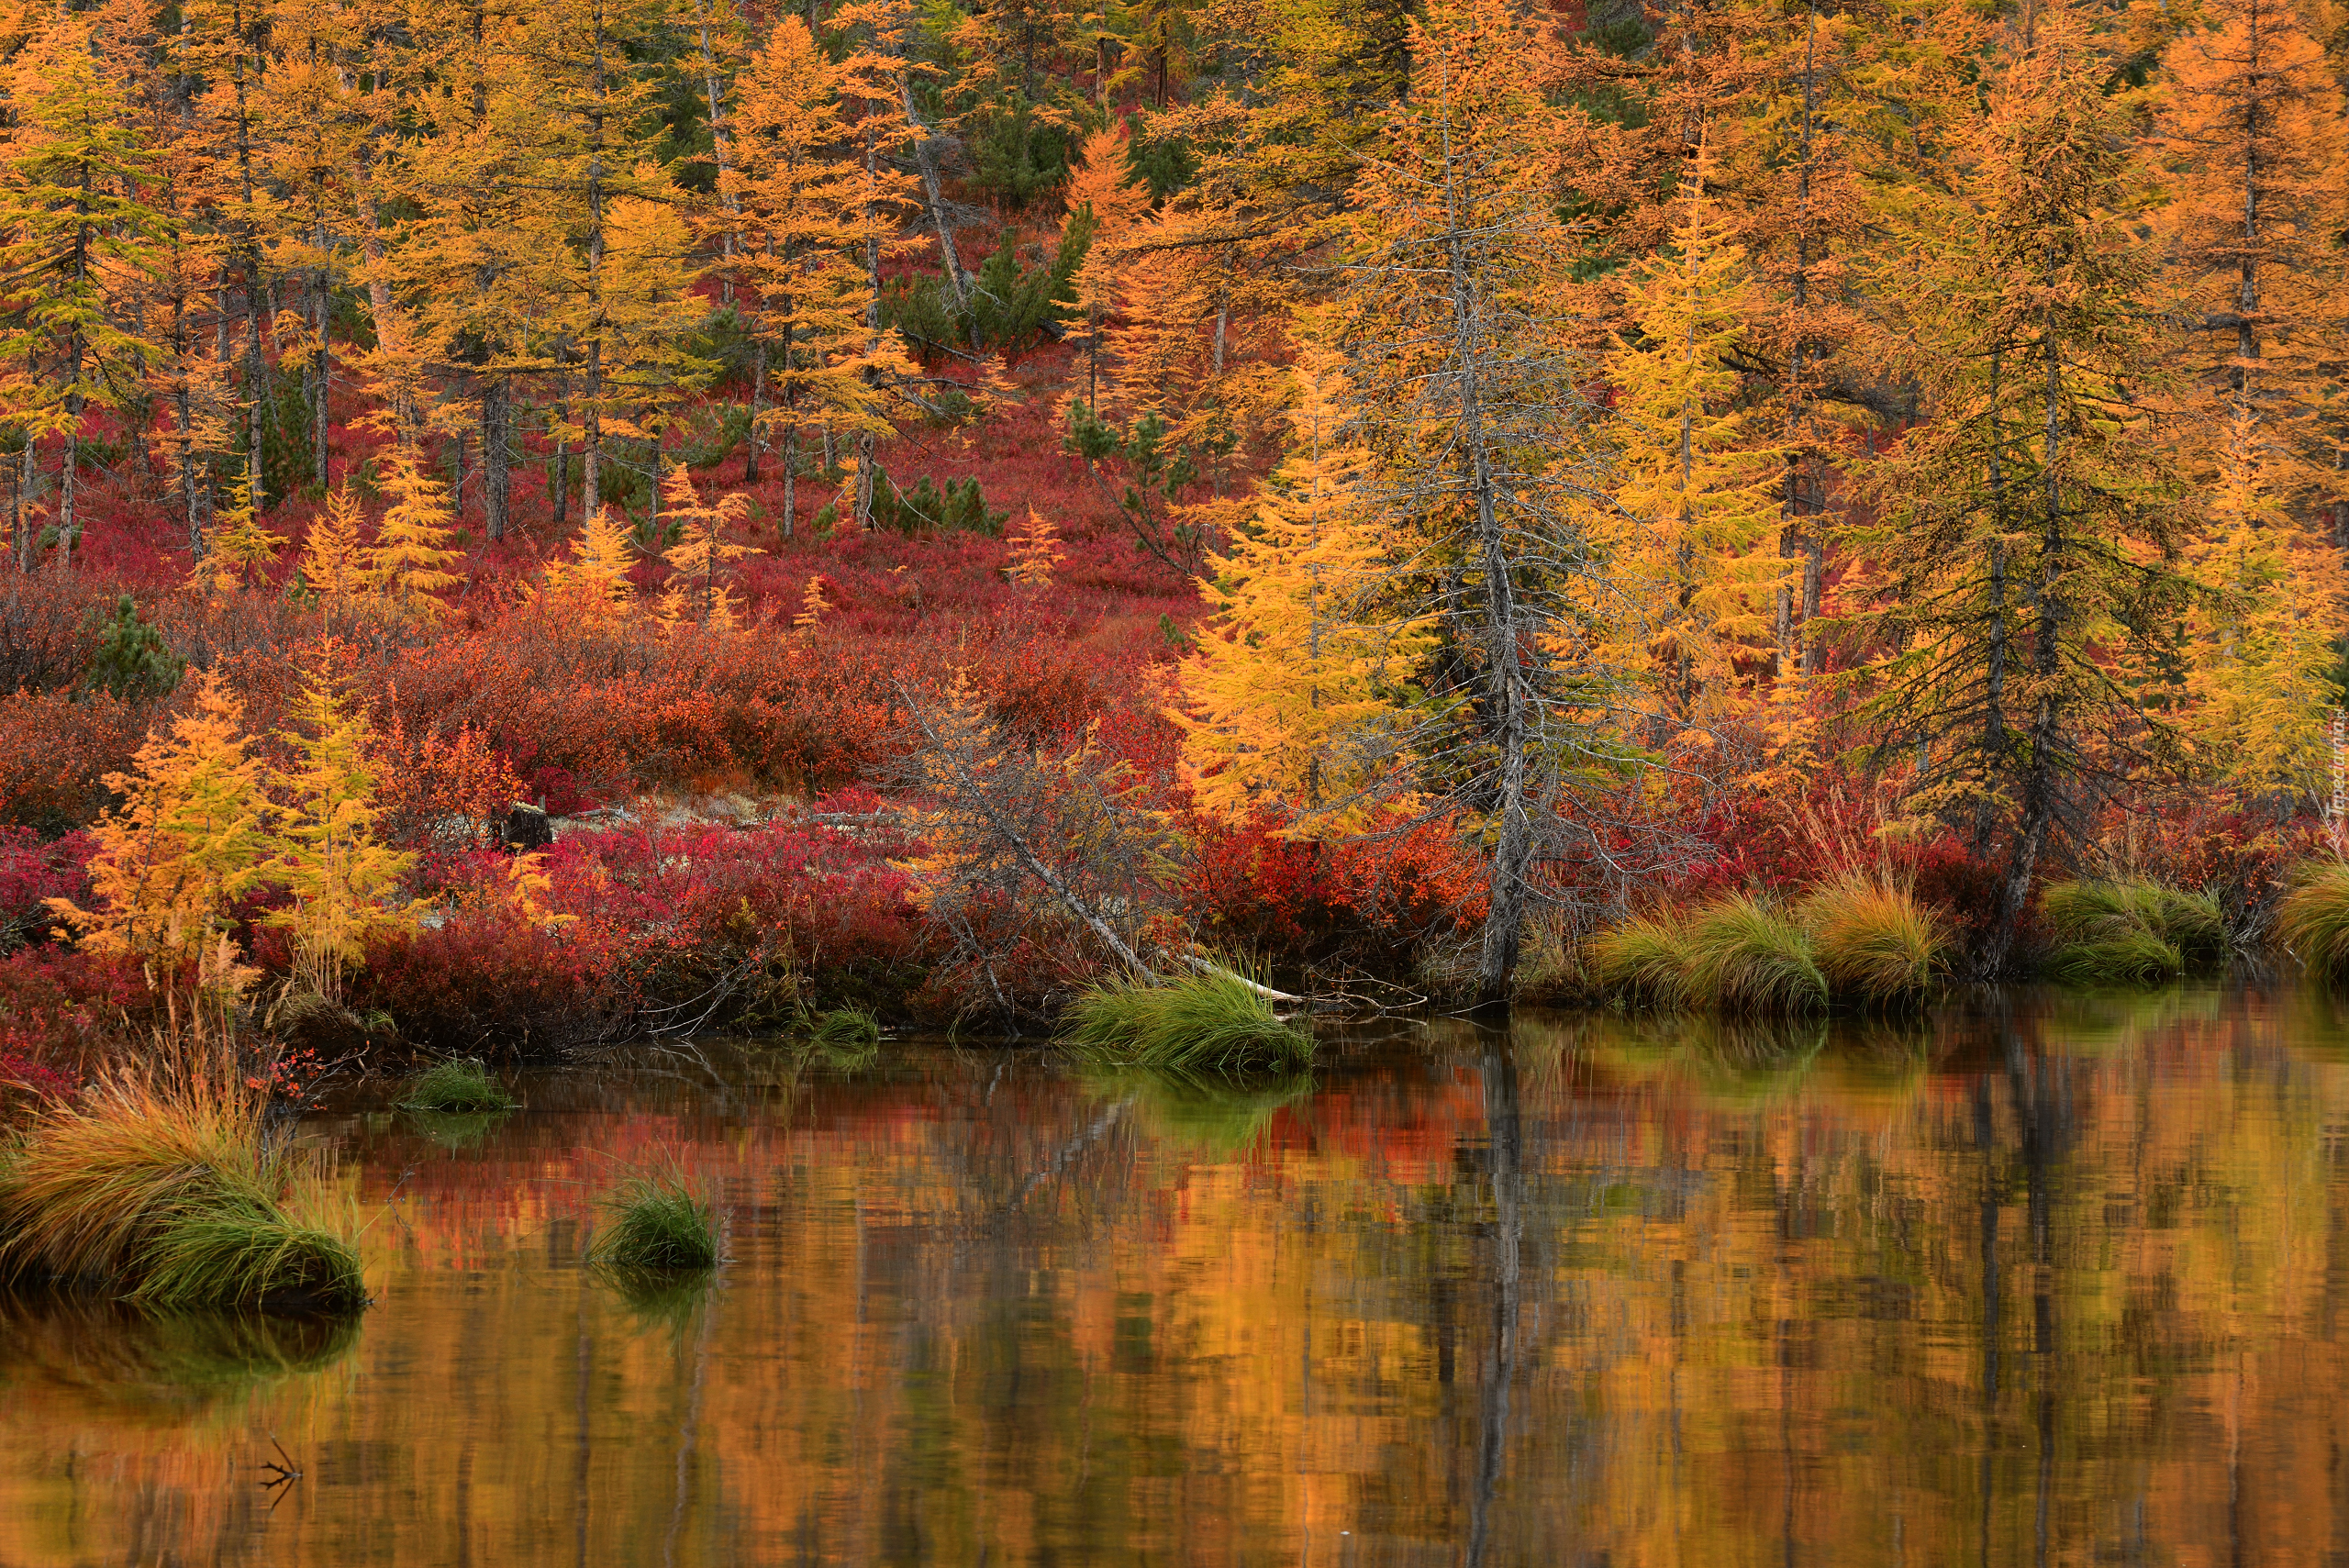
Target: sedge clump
[[1210, 1022], [660, 1224]]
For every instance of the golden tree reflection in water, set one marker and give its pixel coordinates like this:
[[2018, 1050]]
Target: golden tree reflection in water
[[2054, 1282]]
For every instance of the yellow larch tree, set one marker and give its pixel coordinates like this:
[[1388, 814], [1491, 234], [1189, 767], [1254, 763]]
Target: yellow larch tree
[[344, 880], [190, 838], [818, 205], [2261, 647], [1695, 509], [1296, 699], [238, 552], [1100, 195], [702, 556], [593, 581], [331, 564], [1036, 551], [408, 563]]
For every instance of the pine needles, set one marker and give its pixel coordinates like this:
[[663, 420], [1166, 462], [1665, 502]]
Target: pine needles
[[660, 1226], [2314, 919], [170, 1196], [1210, 1022]]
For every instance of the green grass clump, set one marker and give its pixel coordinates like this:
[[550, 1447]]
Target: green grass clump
[[456, 1087], [1209, 1022], [847, 1029], [171, 1194], [2313, 919], [2131, 931], [1646, 960], [1749, 957], [659, 1226], [1873, 944]]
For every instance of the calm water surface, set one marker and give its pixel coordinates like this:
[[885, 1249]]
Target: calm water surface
[[2065, 1281]]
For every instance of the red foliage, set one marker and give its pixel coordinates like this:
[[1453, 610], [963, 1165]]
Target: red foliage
[[486, 982], [1366, 906], [31, 873]]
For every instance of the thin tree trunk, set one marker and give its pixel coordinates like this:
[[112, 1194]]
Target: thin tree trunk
[[758, 407], [497, 458], [592, 426], [790, 460]]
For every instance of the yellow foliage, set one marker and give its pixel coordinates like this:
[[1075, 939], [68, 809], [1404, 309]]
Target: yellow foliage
[[1695, 508], [593, 581], [330, 558], [813, 607], [2261, 643], [343, 879], [702, 552], [1036, 551], [190, 839], [407, 563], [238, 552], [1293, 696]]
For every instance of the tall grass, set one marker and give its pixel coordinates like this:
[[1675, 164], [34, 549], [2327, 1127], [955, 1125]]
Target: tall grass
[[2313, 919], [457, 1087], [1647, 960], [1751, 957], [1875, 944], [1209, 1022], [164, 1188], [2131, 931], [660, 1224]]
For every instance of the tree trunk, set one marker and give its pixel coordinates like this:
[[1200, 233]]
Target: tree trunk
[[790, 460], [496, 464], [758, 402]]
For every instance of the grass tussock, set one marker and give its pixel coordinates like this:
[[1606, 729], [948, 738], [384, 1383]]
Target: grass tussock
[[1752, 957], [1646, 960], [660, 1224], [1209, 1022], [2131, 931], [1875, 944], [170, 1193], [457, 1088], [2313, 919], [847, 1029]]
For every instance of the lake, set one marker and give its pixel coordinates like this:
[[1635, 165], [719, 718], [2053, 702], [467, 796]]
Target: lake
[[2041, 1279]]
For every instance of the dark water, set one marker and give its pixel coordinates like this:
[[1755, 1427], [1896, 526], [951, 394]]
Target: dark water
[[2066, 1282]]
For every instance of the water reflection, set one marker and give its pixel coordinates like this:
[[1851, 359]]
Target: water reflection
[[2034, 1281]]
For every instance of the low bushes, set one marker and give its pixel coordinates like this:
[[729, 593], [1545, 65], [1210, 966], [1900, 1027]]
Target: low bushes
[[173, 1197], [2313, 919], [2130, 931], [1211, 1022]]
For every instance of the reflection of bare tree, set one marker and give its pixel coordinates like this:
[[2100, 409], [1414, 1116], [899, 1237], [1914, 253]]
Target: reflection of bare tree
[[1506, 1169]]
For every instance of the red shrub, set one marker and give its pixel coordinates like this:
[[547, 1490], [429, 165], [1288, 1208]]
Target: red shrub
[[487, 984], [31, 873]]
